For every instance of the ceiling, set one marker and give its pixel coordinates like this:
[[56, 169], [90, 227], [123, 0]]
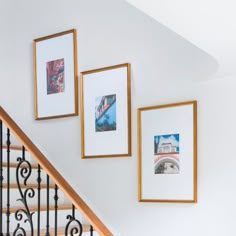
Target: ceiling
[[208, 24]]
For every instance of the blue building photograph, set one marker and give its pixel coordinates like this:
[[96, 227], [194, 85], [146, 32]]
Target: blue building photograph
[[105, 113]]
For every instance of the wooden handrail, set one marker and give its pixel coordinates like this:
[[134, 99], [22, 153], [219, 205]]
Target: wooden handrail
[[54, 174]]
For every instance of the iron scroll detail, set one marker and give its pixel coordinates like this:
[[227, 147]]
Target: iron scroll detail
[[73, 227], [23, 171]]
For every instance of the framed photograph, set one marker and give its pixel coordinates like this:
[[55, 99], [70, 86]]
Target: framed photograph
[[55, 75], [167, 149], [106, 112]]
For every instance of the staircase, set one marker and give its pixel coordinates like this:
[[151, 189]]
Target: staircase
[[34, 198], [47, 195]]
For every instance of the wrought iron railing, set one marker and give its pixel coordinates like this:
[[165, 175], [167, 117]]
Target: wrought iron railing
[[27, 220]]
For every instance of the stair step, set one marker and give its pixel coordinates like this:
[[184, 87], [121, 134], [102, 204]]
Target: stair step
[[60, 231], [42, 208], [14, 165], [13, 147], [34, 186], [62, 221], [32, 178], [16, 152]]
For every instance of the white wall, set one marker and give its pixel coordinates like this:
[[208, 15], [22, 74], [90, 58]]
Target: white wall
[[165, 69]]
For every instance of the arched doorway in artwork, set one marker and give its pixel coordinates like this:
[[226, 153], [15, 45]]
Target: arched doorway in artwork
[[166, 164]]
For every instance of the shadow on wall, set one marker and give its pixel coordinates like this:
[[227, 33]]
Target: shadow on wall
[[123, 31]]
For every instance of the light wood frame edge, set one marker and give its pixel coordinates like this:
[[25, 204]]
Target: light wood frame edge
[[129, 128], [76, 113], [139, 110]]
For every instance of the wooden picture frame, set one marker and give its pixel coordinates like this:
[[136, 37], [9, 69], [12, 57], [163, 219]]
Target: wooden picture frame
[[55, 75], [167, 150], [106, 112]]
